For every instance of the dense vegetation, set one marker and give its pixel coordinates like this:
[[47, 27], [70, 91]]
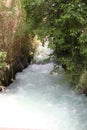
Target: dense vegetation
[[65, 23], [15, 43]]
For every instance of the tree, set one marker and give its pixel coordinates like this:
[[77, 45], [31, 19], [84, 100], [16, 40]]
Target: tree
[[65, 21]]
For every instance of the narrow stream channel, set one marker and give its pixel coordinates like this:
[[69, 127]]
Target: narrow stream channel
[[40, 100]]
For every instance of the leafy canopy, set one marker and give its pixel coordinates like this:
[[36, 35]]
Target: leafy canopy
[[65, 22]]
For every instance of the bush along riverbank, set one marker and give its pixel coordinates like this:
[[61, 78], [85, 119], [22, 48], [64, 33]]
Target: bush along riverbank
[[15, 41]]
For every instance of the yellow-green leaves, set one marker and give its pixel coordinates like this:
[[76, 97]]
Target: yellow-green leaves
[[2, 59]]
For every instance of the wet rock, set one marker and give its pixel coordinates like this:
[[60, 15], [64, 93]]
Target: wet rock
[[2, 88]]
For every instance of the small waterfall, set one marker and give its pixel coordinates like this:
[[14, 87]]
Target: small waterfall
[[43, 52]]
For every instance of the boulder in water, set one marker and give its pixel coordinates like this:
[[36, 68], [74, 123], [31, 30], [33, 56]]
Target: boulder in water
[[2, 88]]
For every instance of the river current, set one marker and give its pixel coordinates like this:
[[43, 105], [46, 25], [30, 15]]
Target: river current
[[38, 99]]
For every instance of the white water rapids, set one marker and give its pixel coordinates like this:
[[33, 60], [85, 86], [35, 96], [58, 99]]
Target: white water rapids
[[40, 100]]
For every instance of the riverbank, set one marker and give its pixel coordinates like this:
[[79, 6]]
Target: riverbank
[[15, 41], [12, 68]]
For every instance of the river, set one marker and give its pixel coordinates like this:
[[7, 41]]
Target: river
[[38, 99]]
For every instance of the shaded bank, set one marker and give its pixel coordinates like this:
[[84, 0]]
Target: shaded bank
[[15, 67], [9, 72], [15, 41]]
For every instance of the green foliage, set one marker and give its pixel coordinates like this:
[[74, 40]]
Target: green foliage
[[82, 86], [34, 14], [71, 40], [3, 56], [2, 59], [64, 21], [83, 79]]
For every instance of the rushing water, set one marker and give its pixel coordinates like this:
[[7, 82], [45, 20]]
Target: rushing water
[[42, 52], [40, 100]]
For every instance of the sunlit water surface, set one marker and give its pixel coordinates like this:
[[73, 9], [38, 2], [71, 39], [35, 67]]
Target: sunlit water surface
[[40, 100]]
